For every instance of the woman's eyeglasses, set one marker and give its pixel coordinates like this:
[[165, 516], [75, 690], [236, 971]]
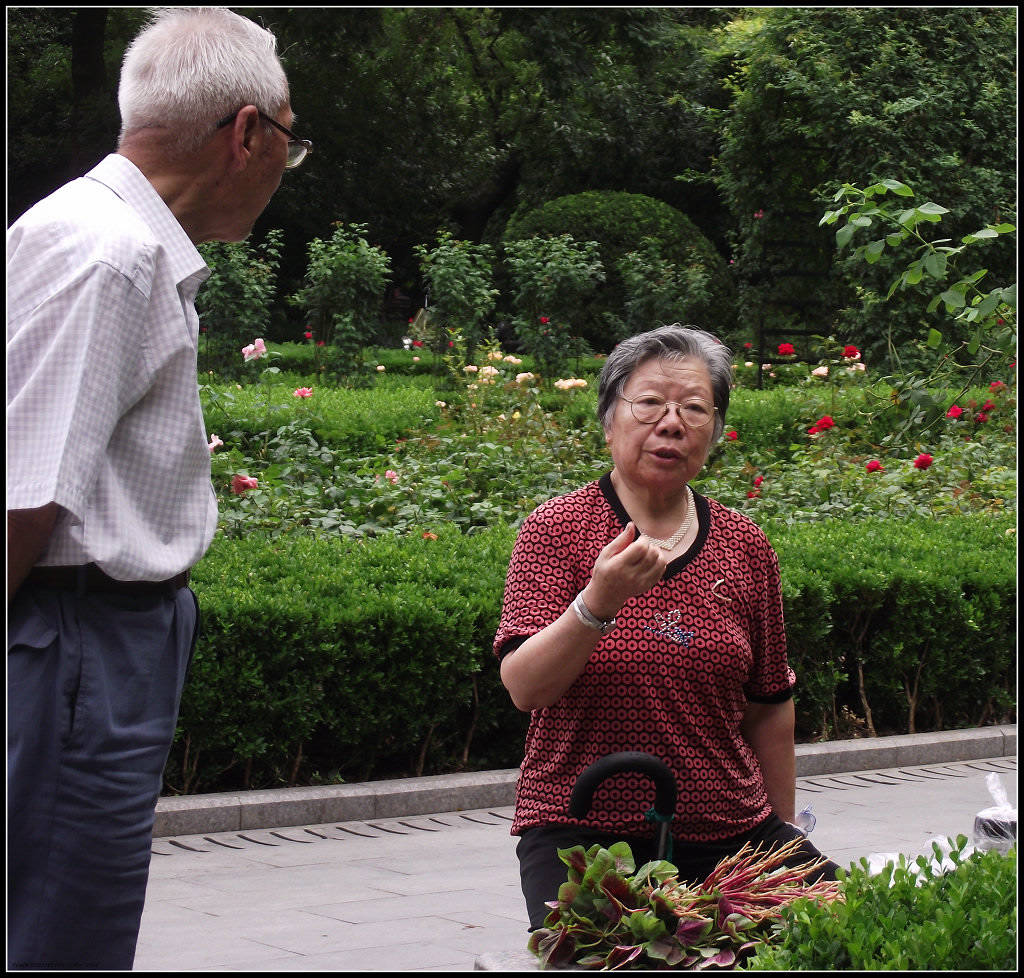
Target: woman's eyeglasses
[[650, 408]]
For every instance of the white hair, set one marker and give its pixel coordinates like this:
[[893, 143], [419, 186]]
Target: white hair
[[193, 66]]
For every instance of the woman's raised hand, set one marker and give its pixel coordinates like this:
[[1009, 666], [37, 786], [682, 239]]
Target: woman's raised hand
[[628, 566]]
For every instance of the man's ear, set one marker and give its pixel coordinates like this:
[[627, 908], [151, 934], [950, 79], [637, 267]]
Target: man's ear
[[243, 132]]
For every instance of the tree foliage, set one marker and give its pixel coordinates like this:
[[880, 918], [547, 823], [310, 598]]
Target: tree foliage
[[823, 97], [746, 120]]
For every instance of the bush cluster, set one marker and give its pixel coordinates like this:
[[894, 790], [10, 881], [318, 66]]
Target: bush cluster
[[956, 912], [331, 658]]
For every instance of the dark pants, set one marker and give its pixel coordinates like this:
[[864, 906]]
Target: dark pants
[[542, 872], [94, 684]]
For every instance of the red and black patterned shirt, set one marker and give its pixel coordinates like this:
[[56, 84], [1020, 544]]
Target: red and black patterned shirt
[[673, 678]]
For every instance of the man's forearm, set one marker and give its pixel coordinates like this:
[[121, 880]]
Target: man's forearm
[[28, 533]]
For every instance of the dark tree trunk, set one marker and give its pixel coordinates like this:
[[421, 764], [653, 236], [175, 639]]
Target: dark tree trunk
[[92, 103]]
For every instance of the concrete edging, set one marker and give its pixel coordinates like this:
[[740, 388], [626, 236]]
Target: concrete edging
[[279, 807]]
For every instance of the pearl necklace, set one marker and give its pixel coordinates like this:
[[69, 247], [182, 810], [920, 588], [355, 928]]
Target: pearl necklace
[[691, 514]]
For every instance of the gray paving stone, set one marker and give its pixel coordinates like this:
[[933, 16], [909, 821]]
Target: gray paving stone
[[362, 897]]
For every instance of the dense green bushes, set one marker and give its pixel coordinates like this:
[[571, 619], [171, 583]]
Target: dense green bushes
[[336, 658], [328, 658], [954, 912], [660, 240]]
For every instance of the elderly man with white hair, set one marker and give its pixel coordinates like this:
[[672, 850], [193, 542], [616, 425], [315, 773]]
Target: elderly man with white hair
[[109, 499]]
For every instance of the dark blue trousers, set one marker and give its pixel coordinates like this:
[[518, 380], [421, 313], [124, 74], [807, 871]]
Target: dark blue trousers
[[94, 685]]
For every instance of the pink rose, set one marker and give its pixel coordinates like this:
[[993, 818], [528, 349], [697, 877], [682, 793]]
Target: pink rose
[[240, 483], [303, 392], [254, 351], [215, 443]]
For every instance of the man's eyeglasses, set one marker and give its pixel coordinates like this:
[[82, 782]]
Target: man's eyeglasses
[[649, 409], [298, 149]]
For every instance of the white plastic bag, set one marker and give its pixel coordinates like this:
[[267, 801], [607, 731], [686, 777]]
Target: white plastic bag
[[996, 827]]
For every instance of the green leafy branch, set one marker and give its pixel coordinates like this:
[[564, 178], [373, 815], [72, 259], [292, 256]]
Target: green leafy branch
[[984, 322]]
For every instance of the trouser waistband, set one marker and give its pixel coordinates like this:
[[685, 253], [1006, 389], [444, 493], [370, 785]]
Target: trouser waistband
[[89, 578]]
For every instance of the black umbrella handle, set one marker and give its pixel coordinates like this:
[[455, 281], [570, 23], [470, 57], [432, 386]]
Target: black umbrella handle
[[587, 783]]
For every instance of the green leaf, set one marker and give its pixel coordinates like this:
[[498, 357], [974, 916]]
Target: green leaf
[[978, 235], [935, 265], [898, 188], [844, 234], [934, 339], [873, 251], [933, 210], [953, 298]]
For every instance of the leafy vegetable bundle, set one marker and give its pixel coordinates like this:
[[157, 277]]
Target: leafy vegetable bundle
[[610, 915]]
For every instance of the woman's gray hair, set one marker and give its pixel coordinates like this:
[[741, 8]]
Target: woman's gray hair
[[193, 66], [666, 343]]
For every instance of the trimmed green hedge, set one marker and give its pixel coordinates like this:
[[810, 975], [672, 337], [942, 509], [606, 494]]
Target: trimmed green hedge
[[619, 222], [336, 659]]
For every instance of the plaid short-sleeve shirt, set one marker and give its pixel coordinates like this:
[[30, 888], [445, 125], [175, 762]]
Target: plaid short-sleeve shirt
[[103, 412], [673, 678]]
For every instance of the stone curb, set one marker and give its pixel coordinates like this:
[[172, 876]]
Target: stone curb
[[280, 807]]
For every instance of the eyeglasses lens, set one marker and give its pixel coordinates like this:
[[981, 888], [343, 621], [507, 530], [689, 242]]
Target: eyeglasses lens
[[649, 410]]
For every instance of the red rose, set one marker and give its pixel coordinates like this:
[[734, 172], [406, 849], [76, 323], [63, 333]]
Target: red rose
[[732, 435], [954, 412], [544, 320], [874, 466], [923, 461], [786, 349]]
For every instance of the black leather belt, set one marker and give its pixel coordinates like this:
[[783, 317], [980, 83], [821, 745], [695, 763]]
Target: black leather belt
[[89, 578]]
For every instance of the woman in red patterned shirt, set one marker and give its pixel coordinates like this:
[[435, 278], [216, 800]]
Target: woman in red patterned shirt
[[642, 616]]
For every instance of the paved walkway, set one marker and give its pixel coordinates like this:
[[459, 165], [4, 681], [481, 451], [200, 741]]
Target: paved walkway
[[440, 891]]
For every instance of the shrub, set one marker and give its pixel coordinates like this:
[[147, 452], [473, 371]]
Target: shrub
[[235, 301], [551, 279], [364, 658], [342, 292], [620, 222], [906, 918], [656, 290], [912, 607], [459, 281], [336, 656]]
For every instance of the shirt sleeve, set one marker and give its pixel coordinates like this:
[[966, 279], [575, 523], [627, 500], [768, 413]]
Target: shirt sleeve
[[76, 364], [771, 679], [543, 577]]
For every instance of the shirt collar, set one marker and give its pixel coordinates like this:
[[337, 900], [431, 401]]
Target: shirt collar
[[126, 180]]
